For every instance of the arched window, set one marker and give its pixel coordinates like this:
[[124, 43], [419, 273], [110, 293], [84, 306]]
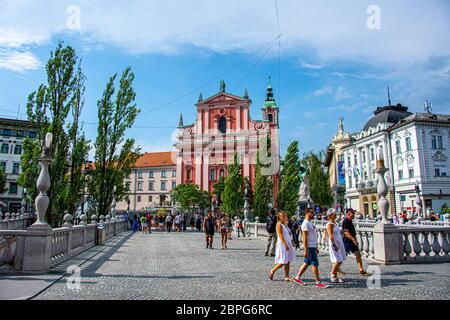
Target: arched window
[[270, 116], [221, 173], [223, 124]]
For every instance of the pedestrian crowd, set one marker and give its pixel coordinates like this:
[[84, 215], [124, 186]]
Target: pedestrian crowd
[[284, 239]]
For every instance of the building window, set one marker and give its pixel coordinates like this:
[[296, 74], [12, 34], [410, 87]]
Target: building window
[[18, 149], [411, 173], [20, 133], [348, 162], [174, 173], [188, 174], [127, 186], [408, 144], [440, 171], [3, 166], [400, 174], [355, 160], [138, 198], [15, 168], [13, 188], [163, 173], [223, 124], [364, 156], [7, 132], [372, 154], [5, 148], [398, 148], [32, 134], [150, 174], [150, 198], [221, 173], [365, 175], [212, 175], [139, 186], [150, 186], [350, 181], [174, 185], [140, 174], [163, 185], [270, 117], [439, 142]]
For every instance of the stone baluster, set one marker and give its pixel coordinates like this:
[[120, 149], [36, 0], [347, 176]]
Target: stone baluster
[[108, 218], [444, 242], [366, 244], [426, 247], [417, 248], [102, 219], [360, 241], [371, 246], [407, 250], [7, 216], [436, 246]]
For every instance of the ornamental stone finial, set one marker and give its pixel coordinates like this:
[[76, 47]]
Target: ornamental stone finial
[[102, 219], [43, 183], [94, 219], [67, 220], [83, 219], [382, 187]]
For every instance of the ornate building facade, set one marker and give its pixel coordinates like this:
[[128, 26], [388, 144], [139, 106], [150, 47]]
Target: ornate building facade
[[223, 127]]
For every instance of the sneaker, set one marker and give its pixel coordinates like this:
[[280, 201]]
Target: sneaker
[[298, 281], [337, 280], [272, 255], [322, 285]]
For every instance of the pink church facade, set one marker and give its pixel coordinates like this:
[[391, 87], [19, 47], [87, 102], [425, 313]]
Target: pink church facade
[[222, 128]]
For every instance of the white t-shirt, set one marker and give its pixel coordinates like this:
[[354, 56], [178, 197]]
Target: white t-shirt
[[312, 235]]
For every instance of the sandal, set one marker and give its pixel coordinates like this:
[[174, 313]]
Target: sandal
[[271, 273], [288, 279], [365, 273]]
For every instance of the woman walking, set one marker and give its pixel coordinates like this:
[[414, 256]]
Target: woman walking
[[284, 252], [224, 223], [336, 246], [209, 227]]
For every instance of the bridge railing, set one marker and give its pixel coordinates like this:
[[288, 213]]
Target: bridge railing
[[15, 221], [18, 247], [394, 244]]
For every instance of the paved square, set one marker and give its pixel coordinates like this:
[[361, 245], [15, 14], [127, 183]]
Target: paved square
[[178, 266]]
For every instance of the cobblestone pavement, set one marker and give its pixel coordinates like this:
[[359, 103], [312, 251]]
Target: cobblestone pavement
[[178, 266]]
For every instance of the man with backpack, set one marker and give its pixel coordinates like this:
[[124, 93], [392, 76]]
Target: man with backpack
[[272, 233]]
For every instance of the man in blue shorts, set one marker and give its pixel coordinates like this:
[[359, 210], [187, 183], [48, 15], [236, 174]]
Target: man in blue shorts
[[311, 251]]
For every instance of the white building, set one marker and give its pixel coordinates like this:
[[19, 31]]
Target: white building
[[415, 148], [12, 134]]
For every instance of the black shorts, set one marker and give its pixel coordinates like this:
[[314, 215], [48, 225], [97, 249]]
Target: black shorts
[[210, 232], [350, 246]]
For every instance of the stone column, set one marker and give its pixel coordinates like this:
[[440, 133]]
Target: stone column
[[387, 239], [37, 244]]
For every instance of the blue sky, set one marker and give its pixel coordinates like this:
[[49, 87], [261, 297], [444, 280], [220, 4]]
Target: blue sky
[[329, 63]]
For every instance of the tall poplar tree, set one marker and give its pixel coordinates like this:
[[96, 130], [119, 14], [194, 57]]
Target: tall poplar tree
[[49, 109], [114, 154], [263, 192], [233, 194], [319, 187], [290, 180]]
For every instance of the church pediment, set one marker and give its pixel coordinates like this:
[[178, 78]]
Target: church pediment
[[222, 98]]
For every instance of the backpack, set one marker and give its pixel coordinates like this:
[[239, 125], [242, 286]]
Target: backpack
[[271, 225]]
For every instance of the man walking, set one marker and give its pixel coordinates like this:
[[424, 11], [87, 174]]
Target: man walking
[[350, 242], [272, 233], [169, 222], [311, 251]]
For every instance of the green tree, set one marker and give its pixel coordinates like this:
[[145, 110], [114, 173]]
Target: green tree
[[263, 192], [114, 155], [3, 188], [48, 109], [290, 180], [233, 195], [218, 189], [319, 187], [190, 197]]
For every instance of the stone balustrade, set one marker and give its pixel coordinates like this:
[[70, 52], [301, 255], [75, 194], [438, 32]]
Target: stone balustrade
[[15, 222], [17, 247], [403, 243]]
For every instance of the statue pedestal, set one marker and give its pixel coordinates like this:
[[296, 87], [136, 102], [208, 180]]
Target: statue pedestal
[[387, 243]]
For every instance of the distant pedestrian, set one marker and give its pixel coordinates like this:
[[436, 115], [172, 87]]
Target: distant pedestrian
[[238, 226], [285, 253], [169, 222], [350, 242], [161, 222], [209, 227], [296, 226], [272, 233], [199, 222], [311, 251], [336, 246]]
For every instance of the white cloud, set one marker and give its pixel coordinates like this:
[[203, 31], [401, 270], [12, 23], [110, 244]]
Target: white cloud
[[410, 30], [18, 61], [321, 92], [305, 65], [341, 93]]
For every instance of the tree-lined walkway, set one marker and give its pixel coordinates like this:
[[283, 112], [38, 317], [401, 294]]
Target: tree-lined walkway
[[178, 266]]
